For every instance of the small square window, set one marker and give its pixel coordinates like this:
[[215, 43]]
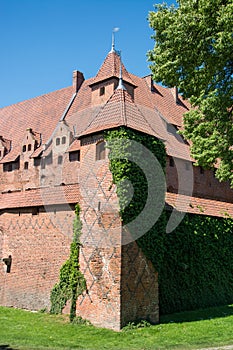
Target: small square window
[[26, 166], [74, 156]]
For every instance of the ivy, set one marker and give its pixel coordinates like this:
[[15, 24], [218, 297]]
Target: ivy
[[197, 270], [127, 161], [195, 261], [72, 282]]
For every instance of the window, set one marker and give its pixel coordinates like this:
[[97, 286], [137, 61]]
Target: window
[[63, 140], [59, 160], [171, 162], [0, 154], [29, 147], [37, 161], [24, 148], [26, 166], [7, 167], [102, 91], [187, 165], [49, 159], [100, 150], [57, 141], [74, 156], [11, 165]]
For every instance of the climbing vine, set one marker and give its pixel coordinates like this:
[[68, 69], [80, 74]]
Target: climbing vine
[[197, 270], [195, 261], [127, 161], [72, 282]]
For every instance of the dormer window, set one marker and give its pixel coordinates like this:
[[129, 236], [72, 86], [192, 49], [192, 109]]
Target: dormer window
[[102, 90]]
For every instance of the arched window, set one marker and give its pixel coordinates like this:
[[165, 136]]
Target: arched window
[[100, 150], [63, 140]]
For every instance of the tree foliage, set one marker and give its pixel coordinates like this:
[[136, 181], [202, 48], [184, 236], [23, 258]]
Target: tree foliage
[[194, 51]]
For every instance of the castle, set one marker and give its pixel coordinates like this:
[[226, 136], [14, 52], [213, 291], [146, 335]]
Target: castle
[[53, 155]]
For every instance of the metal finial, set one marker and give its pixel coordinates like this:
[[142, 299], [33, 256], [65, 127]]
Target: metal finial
[[113, 38], [120, 85]]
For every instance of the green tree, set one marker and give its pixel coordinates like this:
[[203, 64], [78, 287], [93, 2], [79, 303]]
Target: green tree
[[194, 51]]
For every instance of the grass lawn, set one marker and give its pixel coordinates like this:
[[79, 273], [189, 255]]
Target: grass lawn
[[190, 330]]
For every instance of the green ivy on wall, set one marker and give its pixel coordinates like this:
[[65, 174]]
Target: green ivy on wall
[[127, 162], [72, 282], [197, 271], [195, 261]]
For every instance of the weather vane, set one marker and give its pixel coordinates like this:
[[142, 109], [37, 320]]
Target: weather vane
[[116, 29]]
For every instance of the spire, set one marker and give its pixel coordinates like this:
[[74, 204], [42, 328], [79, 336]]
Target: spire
[[113, 38], [120, 85]]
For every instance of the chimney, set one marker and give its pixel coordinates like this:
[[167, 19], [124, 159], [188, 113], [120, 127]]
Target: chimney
[[174, 92], [78, 79], [149, 81]]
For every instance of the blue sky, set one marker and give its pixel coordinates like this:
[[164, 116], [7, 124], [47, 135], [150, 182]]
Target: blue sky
[[43, 41]]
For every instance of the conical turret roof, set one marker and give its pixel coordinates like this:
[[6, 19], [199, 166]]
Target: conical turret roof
[[111, 68]]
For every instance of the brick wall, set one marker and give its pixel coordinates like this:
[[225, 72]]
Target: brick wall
[[139, 287], [39, 245], [203, 182]]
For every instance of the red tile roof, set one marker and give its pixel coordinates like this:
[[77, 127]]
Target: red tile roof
[[5, 143], [111, 68], [146, 113], [120, 110], [11, 156], [40, 113], [40, 197], [201, 206], [75, 146]]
